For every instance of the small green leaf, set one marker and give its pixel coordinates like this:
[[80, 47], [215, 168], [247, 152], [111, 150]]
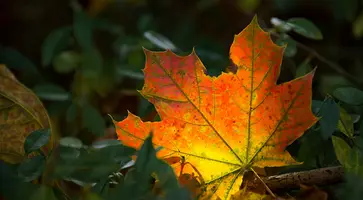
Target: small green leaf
[[345, 124], [329, 113], [248, 6], [358, 26], [108, 26], [55, 42], [83, 27], [137, 182], [12, 186], [69, 153], [118, 154], [14, 60], [328, 83], [102, 187], [106, 143], [36, 139], [92, 63], [57, 108], [93, 120], [71, 113], [311, 145], [92, 196], [71, 142], [31, 168], [83, 30], [349, 95], [52, 92], [290, 50], [160, 41], [144, 107], [350, 158], [43, 193], [66, 62], [130, 73], [342, 150], [305, 28], [90, 167], [304, 68], [351, 188]]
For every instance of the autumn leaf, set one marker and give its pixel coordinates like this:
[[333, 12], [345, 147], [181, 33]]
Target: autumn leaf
[[21, 112], [227, 124]]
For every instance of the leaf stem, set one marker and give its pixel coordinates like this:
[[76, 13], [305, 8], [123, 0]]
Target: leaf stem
[[267, 188]]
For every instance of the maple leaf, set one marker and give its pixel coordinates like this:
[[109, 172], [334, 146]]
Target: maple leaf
[[223, 125]]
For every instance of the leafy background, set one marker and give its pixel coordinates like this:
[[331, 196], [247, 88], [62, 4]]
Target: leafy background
[[84, 58]]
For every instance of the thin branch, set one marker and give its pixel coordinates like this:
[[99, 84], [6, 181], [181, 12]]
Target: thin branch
[[264, 184], [329, 63], [288, 181]]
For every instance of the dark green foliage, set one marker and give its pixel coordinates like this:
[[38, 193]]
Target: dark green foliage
[[36, 140]]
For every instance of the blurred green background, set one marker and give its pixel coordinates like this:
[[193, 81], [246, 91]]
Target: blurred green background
[[84, 58]]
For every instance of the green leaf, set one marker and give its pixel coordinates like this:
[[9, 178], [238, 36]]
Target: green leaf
[[89, 167], [328, 83], [305, 28], [311, 145], [43, 193], [31, 168], [92, 196], [35, 140], [130, 73], [54, 43], [349, 95], [69, 153], [116, 153], [71, 114], [83, 27], [102, 187], [248, 6], [358, 26], [345, 124], [290, 50], [329, 113], [13, 187], [57, 108], [350, 158], [108, 26], [71, 142], [344, 10], [144, 107], [160, 41], [93, 120], [67, 61], [106, 143], [137, 182], [29, 73], [304, 68], [351, 188], [83, 30], [52, 92], [92, 63]]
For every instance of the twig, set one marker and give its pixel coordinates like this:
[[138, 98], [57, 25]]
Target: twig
[[264, 184], [329, 63], [288, 181]]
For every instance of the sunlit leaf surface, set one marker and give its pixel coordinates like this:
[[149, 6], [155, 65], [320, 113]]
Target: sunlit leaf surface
[[226, 124]]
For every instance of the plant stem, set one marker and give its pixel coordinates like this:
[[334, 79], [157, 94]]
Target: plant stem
[[263, 182], [288, 181], [329, 63]]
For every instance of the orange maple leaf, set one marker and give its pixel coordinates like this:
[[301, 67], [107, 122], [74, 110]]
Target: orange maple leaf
[[223, 125]]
